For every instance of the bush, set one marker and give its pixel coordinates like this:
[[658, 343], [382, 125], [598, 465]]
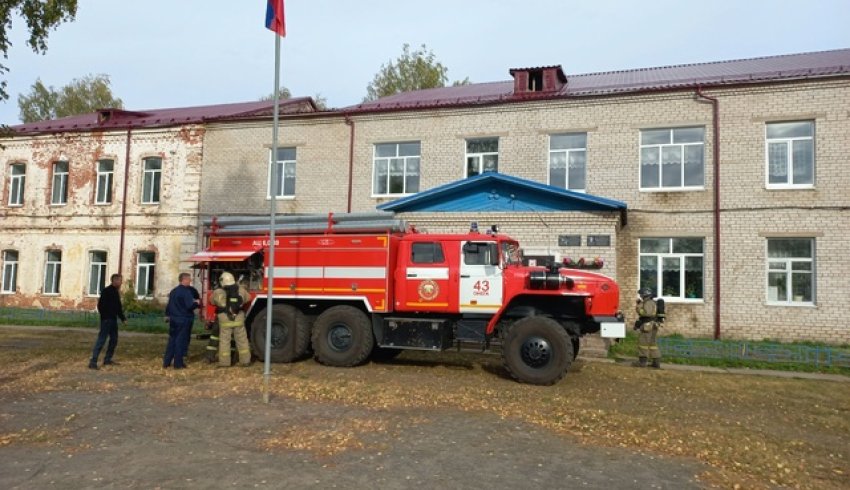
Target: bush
[[132, 304]]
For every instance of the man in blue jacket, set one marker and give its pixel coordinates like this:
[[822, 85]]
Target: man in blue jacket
[[110, 309], [180, 314]]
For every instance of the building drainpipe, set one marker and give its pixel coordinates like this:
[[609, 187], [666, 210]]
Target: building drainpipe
[[124, 204], [350, 124], [715, 124]]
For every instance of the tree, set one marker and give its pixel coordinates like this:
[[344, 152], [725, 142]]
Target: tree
[[82, 95], [41, 16], [411, 71], [321, 102]]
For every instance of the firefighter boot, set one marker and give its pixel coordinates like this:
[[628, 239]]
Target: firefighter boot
[[641, 362], [656, 363]]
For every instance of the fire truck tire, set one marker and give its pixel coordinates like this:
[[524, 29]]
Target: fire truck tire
[[537, 350], [342, 336], [290, 334], [576, 345]]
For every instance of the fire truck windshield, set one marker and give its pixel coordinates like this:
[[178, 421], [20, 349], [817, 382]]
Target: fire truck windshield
[[511, 253]]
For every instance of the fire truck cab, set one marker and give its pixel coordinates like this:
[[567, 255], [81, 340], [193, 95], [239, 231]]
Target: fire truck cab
[[347, 287]]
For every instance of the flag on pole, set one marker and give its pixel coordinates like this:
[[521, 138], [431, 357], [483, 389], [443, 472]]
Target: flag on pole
[[274, 17]]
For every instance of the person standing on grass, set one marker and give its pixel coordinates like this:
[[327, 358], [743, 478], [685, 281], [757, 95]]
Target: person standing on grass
[[180, 315], [647, 324], [110, 309], [229, 300]]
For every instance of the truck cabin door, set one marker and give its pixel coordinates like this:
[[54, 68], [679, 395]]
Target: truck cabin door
[[425, 282], [480, 277]]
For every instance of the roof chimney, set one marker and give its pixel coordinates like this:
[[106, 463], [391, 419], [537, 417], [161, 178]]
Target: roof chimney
[[542, 79]]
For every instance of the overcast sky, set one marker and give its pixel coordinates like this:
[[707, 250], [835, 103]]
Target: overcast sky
[[179, 53]]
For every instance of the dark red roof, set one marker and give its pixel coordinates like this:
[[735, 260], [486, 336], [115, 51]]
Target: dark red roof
[[755, 70], [106, 119]]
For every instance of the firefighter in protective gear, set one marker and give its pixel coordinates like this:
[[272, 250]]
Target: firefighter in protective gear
[[229, 299], [647, 324]]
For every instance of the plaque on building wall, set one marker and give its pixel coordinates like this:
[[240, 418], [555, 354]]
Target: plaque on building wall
[[598, 240], [569, 240]]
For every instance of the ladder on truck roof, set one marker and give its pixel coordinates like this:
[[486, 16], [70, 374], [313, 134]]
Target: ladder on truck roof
[[306, 224]]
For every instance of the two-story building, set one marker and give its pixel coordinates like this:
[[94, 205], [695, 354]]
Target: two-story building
[[109, 192], [722, 186]]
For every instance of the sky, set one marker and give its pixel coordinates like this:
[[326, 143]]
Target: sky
[[181, 53]]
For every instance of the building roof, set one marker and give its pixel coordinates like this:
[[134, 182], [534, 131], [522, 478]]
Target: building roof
[[110, 119], [735, 72], [494, 192]]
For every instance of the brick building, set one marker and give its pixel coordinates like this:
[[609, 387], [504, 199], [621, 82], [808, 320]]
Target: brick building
[[87, 196], [776, 128], [747, 154]]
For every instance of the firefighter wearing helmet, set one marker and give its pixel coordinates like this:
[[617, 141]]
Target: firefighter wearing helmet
[[647, 325], [229, 299]]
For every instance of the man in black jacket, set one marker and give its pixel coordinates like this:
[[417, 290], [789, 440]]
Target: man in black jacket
[[110, 309]]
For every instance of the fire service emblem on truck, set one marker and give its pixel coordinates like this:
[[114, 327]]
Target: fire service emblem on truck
[[428, 290]]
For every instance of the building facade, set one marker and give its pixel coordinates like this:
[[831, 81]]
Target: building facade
[[732, 176], [110, 192], [746, 154]]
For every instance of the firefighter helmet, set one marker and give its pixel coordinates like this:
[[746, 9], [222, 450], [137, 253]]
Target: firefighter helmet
[[645, 292], [226, 279]]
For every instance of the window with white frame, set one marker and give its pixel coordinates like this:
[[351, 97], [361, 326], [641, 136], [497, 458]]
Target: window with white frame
[[568, 160], [672, 267], [396, 168], [17, 179], [152, 179], [59, 194], [103, 192], [790, 271], [482, 155], [97, 272], [790, 154], [284, 172], [10, 271], [52, 271], [144, 274], [672, 158]]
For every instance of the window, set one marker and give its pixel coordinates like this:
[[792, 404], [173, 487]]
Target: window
[[10, 271], [790, 271], [97, 272], [152, 180], [17, 178], [671, 158], [59, 194], [144, 274], [285, 173], [568, 160], [103, 194], [427, 253], [672, 267], [790, 154], [482, 155], [396, 169], [52, 271]]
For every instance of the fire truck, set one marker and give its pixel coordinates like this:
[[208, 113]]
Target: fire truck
[[348, 287]]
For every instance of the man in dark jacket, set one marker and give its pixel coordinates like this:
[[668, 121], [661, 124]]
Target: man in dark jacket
[[110, 309], [180, 313]]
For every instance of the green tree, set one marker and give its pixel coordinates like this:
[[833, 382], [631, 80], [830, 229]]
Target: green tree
[[82, 95], [413, 70], [41, 16]]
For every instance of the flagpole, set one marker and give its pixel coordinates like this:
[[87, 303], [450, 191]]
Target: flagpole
[[273, 188]]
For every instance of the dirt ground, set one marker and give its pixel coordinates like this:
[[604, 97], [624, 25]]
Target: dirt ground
[[423, 420]]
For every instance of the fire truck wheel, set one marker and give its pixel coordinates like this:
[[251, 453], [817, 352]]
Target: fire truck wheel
[[537, 350], [342, 336], [290, 334]]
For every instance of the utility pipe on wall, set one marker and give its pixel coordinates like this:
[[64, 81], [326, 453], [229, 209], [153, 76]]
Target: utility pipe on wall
[[124, 204], [350, 124], [715, 125]]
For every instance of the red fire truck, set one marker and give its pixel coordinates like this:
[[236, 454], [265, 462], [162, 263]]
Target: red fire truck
[[347, 287]]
